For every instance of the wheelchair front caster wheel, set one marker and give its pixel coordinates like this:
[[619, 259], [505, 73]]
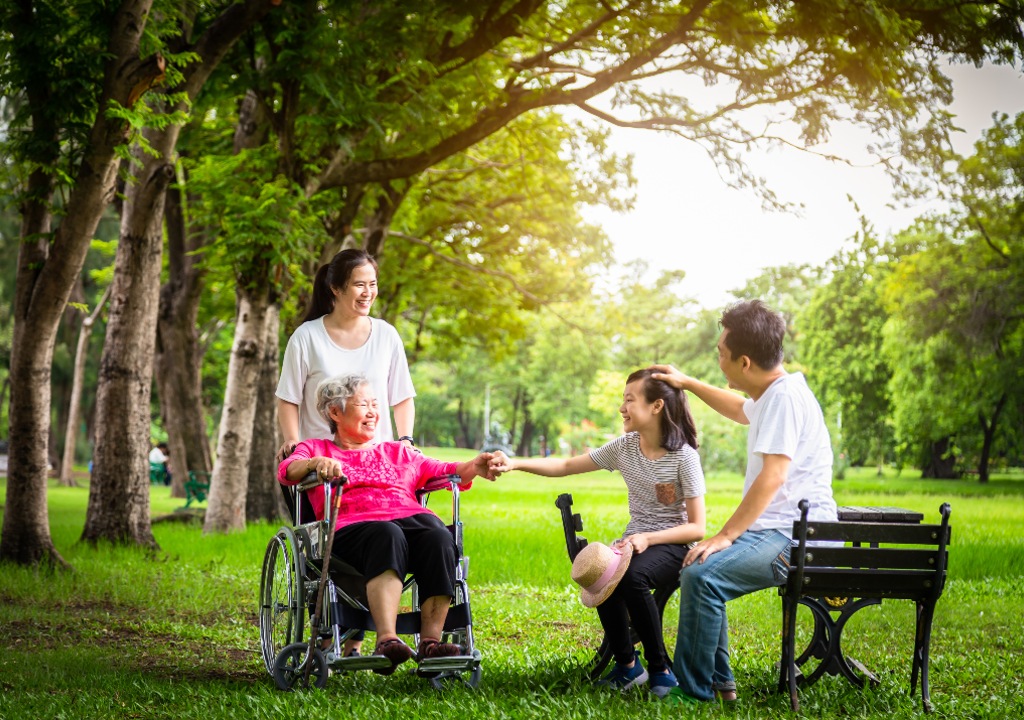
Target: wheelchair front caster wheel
[[290, 667]]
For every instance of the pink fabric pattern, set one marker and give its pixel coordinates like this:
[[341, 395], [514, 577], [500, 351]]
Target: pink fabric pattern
[[382, 479]]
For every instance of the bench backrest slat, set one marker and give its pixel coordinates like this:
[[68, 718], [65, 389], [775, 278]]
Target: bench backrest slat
[[879, 514], [872, 532], [903, 584], [866, 557]]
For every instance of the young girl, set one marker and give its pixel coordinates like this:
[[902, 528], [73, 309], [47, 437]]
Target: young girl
[[659, 447]]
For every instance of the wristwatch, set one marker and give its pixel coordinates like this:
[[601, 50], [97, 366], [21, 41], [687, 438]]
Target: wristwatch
[[410, 438]]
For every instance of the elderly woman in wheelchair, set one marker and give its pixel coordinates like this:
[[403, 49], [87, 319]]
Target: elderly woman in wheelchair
[[383, 531]]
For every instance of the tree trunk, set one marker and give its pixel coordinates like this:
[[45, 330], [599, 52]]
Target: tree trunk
[[526, 439], [178, 356], [26, 528], [118, 508], [379, 221], [71, 435], [226, 509], [47, 271], [988, 429], [465, 438], [940, 463], [264, 500]]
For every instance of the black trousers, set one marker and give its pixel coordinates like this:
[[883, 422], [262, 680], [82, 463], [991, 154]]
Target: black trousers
[[632, 603], [419, 544]]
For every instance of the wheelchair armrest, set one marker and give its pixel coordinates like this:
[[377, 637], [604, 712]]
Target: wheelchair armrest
[[441, 482]]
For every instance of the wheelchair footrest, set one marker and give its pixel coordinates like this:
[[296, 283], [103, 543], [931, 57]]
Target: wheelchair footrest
[[453, 663], [359, 662]]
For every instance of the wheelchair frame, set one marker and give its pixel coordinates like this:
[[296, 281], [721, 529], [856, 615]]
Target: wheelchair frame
[[293, 568]]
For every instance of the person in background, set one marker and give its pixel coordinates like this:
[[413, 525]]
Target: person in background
[[657, 457], [159, 456], [789, 457]]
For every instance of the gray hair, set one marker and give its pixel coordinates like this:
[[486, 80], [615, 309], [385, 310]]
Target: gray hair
[[335, 392]]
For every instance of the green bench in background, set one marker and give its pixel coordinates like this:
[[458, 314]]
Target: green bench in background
[[196, 487], [157, 474]]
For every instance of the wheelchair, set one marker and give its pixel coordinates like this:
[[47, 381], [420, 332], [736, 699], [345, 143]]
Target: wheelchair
[[572, 524], [295, 593]]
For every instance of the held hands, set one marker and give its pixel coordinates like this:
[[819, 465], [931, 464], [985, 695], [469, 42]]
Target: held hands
[[499, 463], [480, 466], [491, 464]]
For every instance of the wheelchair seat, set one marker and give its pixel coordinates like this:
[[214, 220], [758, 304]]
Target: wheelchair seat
[[290, 581]]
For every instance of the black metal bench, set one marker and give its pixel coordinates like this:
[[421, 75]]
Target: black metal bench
[[884, 555]]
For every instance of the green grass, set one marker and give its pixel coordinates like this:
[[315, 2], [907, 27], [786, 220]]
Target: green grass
[[173, 634]]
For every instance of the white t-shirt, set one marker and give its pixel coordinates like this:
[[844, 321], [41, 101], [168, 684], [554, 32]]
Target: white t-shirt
[[787, 420], [311, 356], [156, 455]]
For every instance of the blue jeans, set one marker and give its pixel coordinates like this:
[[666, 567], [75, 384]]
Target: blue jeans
[[756, 560]]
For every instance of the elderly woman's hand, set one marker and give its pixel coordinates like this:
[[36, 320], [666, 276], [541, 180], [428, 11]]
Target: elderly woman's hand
[[327, 468]]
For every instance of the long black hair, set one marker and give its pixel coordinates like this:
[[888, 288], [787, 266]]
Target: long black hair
[[677, 425], [335, 274]]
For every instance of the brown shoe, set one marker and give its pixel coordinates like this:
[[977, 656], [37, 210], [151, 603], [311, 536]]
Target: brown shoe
[[436, 649], [394, 650]]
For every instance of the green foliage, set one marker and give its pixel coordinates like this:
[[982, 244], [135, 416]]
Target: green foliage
[[723, 442], [53, 51], [958, 300], [605, 400], [842, 349], [259, 225], [490, 232], [647, 316]]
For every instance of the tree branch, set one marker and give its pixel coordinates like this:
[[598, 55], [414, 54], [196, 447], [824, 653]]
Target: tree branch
[[519, 101]]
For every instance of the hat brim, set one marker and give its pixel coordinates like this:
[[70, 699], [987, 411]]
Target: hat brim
[[590, 599]]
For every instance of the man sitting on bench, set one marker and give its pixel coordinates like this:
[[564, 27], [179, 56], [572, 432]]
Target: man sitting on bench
[[789, 457]]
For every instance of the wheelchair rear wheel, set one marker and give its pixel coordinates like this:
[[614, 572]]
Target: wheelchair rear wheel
[[290, 667], [282, 605]]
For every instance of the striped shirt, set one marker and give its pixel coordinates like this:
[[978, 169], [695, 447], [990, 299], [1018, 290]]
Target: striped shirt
[[679, 467]]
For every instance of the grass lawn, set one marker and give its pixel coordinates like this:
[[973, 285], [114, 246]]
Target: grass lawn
[[173, 634]]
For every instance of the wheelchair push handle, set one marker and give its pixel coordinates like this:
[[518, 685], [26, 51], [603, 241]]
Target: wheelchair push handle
[[313, 479]]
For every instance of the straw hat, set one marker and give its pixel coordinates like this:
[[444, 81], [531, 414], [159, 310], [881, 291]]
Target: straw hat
[[597, 569]]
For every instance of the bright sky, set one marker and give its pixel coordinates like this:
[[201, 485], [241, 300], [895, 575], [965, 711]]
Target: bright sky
[[686, 218]]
